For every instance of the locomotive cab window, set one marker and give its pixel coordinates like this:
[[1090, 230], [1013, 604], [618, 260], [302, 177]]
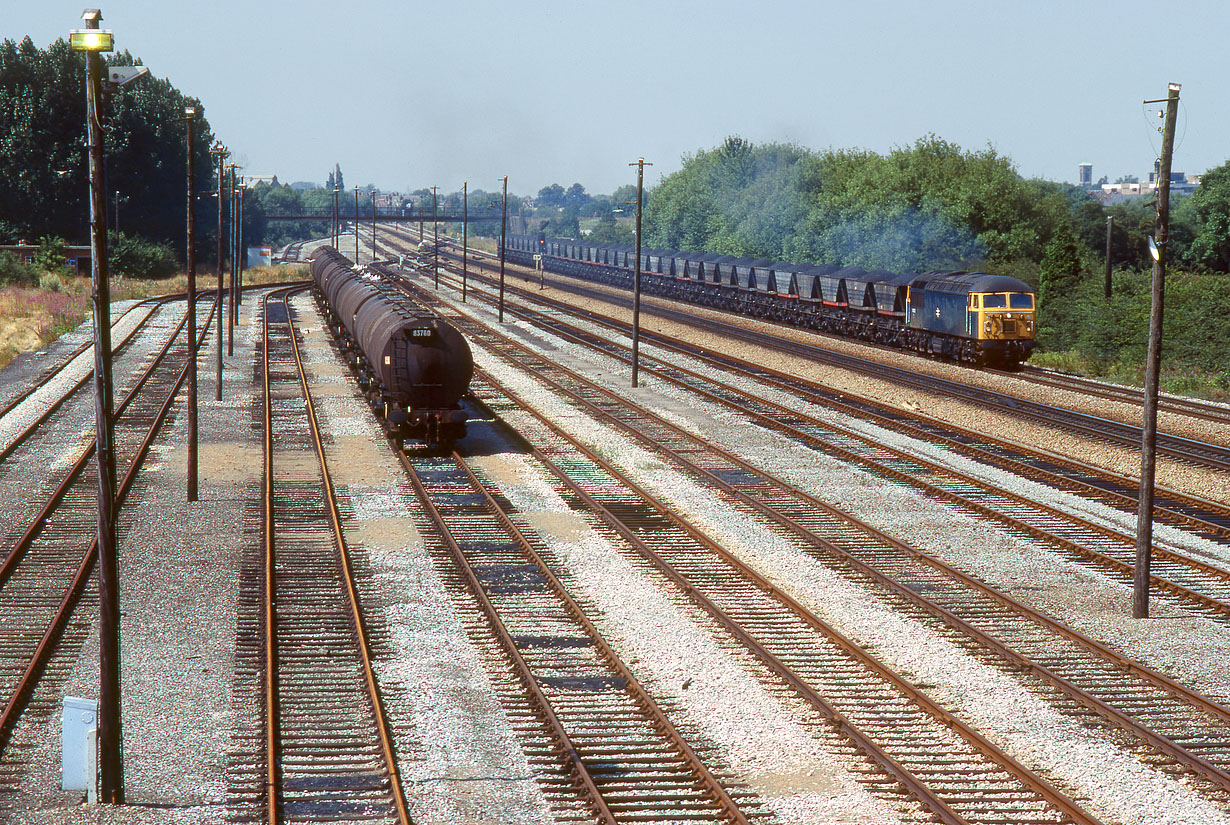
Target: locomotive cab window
[[992, 301], [1021, 300], [973, 302]]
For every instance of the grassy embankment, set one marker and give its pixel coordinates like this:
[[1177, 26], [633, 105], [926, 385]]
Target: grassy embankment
[[34, 317]]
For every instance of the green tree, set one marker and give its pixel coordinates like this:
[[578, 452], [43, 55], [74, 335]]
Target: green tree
[[1210, 205], [551, 196], [42, 154]]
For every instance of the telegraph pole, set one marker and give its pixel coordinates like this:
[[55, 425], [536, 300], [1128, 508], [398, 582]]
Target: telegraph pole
[[1110, 228], [435, 251], [465, 234], [110, 733], [230, 315], [356, 225], [1148, 439], [374, 223], [220, 154], [503, 226], [333, 234], [190, 266], [640, 165], [239, 251]]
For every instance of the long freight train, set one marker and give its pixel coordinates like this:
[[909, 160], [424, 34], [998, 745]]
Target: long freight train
[[413, 366], [967, 316]]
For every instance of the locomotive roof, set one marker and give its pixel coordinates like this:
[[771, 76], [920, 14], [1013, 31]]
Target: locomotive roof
[[963, 282]]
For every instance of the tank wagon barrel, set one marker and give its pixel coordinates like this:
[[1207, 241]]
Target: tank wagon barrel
[[413, 366]]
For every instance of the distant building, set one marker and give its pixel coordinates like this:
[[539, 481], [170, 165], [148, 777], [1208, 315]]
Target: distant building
[[77, 258], [1085, 175]]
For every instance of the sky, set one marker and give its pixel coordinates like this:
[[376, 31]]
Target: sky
[[405, 95]]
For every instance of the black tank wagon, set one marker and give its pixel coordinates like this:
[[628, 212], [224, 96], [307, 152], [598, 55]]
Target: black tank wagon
[[413, 366]]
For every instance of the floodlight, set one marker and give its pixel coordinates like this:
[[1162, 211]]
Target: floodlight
[[123, 75], [91, 40], [1154, 252]]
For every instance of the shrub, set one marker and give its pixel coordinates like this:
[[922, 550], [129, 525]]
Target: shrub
[[137, 258], [15, 271]]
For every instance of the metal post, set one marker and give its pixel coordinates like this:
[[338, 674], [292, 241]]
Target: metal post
[[239, 252], [356, 225], [503, 225], [190, 267], [435, 251], [117, 213], [1110, 228], [1148, 438], [230, 315], [640, 165], [374, 256], [220, 153], [465, 234], [336, 228], [110, 733]]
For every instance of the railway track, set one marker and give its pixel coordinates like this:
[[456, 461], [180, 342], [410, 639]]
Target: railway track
[[1178, 573], [955, 774], [1195, 408], [322, 746], [1102, 430], [44, 574], [1184, 731], [1191, 580], [605, 751]]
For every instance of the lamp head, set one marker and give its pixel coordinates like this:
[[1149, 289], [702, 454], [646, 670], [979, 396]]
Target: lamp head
[[91, 40]]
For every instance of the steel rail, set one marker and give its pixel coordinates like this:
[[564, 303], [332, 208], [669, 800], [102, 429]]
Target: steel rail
[[1183, 509], [356, 612], [713, 787], [46, 645], [272, 778], [58, 368], [1170, 506], [564, 743], [932, 489], [1103, 560], [893, 767], [1177, 447], [1176, 405], [1213, 773], [21, 437], [36, 525]]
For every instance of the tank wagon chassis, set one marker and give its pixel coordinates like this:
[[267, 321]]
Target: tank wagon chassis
[[973, 317], [412, 367]]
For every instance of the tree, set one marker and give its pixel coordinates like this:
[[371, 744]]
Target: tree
[[551, 196], [331, 182], [575, 196], [1210, 204], [42, 154], [608, 230], [337, 176]]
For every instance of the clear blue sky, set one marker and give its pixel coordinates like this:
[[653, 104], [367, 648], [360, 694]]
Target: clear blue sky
[[414, 94]]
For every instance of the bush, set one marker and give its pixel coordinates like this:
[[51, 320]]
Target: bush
[[15, 271], [50, 256], [137, 258]]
